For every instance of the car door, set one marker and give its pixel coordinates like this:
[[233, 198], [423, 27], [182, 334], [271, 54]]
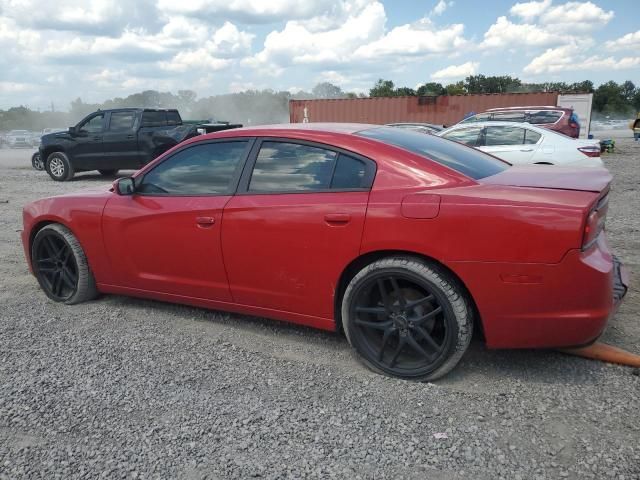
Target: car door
[[166, 236], [508, 143], [294, 225], [120, 141], [87, 151]]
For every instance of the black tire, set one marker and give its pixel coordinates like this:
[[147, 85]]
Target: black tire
[[421, 305], [61, 267], [59, 167], [108, 173], [36, 162]]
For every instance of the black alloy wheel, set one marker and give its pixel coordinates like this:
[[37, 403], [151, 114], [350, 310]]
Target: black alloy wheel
[[61, 267], [406, 319], [36, 162]]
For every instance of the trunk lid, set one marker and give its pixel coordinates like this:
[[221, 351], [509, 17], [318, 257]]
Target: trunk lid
[[553, 177]]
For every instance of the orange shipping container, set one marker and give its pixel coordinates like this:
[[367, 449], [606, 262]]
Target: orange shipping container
[[441, 110]]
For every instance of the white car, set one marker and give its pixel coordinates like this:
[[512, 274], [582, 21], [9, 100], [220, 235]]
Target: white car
[[523, 143]]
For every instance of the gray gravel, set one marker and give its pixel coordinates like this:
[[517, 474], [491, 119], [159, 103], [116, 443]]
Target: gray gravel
[[126, 388]]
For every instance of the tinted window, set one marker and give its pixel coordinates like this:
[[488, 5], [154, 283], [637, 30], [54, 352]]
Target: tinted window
[[350, 173], [173, 118], [121, 121], [538, 117], [282, 167], [94, 124], [203, 169], [154, 119], [509, 116], [531, 137], [468, 161], [504, 136], [481, 117], [468, 136]]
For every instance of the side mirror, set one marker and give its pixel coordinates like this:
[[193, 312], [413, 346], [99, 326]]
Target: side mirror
[[124, 186], [73, 130]]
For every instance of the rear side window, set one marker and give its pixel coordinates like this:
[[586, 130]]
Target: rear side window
[[504, 136], [540, 117], [286, 167], [468, 161], [469, 136], [173, 118], [204, 169], [121, 121], [349, 173], [531, 137], [154, 119], [509, 116]]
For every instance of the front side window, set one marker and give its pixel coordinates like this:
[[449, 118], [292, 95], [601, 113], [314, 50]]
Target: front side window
[[121, 121], [204, 169], [504, 136], [468, 136], [94, 124], [286, 167]]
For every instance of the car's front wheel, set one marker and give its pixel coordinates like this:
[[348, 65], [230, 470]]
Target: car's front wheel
[[61, 266], [59, 167], [36, 161], [407, 318]]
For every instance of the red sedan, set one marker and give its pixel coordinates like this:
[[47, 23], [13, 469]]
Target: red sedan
[[404, 241]]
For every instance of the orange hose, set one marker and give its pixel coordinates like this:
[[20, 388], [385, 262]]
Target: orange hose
[[605, 353]]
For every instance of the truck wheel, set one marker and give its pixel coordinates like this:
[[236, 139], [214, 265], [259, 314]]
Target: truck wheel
[[59, 167], [36, 162], [108, 173]]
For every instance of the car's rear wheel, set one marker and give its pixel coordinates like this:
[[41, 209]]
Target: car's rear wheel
[[407, 318], [108, 173], [61, 266], [59, 167], [36, 161]]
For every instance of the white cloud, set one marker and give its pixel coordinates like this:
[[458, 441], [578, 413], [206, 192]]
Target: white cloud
[[505, 33], [576, 15], [454, 72], [630, 41], [440, 8], [571, 58], [529, 10]]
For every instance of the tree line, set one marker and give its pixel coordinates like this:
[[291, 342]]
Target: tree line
[[255, 107]]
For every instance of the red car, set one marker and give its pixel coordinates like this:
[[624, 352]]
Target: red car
[[558, 119], [403, 240]]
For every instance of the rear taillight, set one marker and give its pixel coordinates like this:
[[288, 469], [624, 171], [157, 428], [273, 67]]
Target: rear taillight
[[595, 222], [593, 151]]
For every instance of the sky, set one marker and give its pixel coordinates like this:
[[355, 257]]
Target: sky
[[100, 49]]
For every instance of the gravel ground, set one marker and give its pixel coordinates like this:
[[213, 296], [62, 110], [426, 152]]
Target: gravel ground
[[127, 388]]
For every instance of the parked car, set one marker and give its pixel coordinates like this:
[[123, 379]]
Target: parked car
[[418, 127], [563, 120], [398, 238], [18, 139], [110, 140], [521, 143]]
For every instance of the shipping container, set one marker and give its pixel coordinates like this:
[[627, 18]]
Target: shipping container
[[441, 110]]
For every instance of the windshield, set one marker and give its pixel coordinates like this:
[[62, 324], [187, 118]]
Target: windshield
[[468, 161]]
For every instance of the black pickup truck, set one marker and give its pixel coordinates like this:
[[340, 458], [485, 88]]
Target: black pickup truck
[[112, 140]]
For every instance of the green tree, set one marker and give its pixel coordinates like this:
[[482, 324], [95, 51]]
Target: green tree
[[327, 90], [431, 89], [383, 88], [456, 88], [405, 92]]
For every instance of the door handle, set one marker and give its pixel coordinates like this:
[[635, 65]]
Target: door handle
[[337, 218], [97, 138], [526, 149], [205, 221], [129, 137]]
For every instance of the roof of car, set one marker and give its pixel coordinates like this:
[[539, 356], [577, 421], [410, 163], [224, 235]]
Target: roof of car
[[541, 107], [316, 127]]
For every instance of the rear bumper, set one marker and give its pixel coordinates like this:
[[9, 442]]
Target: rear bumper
[[547, 305]]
